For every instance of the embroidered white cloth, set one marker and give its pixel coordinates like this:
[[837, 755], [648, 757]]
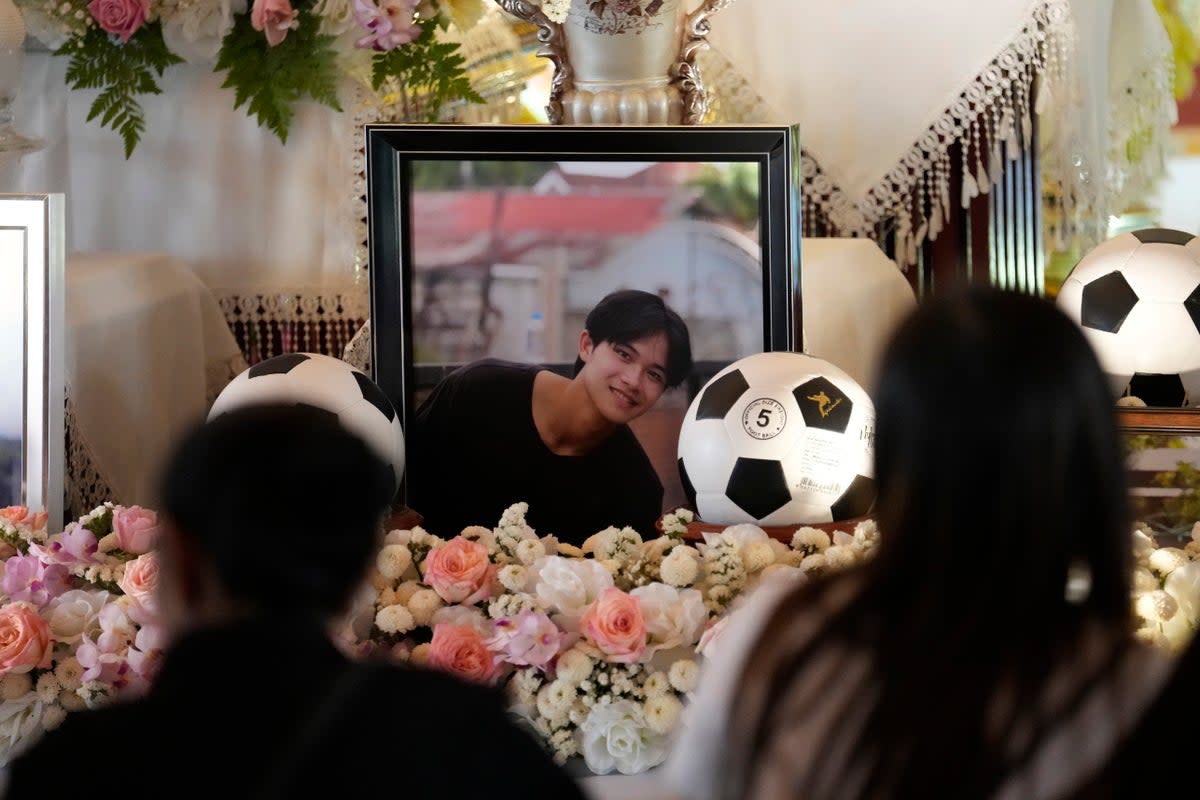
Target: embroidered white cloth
[[883, 90]]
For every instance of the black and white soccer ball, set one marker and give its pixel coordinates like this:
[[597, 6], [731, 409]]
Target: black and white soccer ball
[[1137, 297], [326, 383], [779, 439]]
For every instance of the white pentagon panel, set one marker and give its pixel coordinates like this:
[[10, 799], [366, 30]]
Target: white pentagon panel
[[1162, 339], [1111, 254], [716, 508], [1163, 272], [707, 454], [764, 422], [244, 391]]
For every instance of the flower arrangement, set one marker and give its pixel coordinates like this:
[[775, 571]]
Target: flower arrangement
[[596, 646], [1166, 589], [273, 53], [77, 616]]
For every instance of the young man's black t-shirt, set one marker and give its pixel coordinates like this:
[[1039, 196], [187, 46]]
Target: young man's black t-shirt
[[474, 451]]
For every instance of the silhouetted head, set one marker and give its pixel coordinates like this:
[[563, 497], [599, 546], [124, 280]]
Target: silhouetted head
[[281, 502], [998, 462], [627, 315]]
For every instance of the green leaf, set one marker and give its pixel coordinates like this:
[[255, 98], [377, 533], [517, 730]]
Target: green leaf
[[269, 81], [430, 73], [122, 73]]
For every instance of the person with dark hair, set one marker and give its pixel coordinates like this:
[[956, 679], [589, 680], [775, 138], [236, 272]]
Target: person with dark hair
[[985, 648], [271, 516], [493, 433]]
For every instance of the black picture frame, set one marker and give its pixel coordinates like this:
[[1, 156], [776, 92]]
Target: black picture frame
[[392, 149]]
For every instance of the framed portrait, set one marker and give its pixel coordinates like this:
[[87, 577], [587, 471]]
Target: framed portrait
[[496, 241], [32, 251]]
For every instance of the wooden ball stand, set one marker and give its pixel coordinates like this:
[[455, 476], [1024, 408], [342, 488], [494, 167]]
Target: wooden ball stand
[[403, 518]]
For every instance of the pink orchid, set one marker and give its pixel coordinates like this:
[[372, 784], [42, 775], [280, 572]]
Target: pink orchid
[[528, 639], [388, 23]]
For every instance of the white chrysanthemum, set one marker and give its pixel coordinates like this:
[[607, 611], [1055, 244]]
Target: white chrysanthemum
[[513, 577], [378, 580], [397, 536], [420, 655], [813, 563], [555, 700], [1143, 545], [1157, 606], [395, 619], [683, 675], [840, 556], [681, 566], [1192, 549], [867, 532], [72, 700], [656, 683], [809, 540], [47, 687], [52, 716], [602, 543], [719, 593], [386, 597], [662, 712], [393, 561], [406, 590], [15, 685], [574, 666], [1144, 581], [757, 555], [423, 604], [530, 550], [69, 673], [1166, 560]]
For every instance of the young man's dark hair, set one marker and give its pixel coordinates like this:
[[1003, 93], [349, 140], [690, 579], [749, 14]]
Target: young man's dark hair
[[627, 315]]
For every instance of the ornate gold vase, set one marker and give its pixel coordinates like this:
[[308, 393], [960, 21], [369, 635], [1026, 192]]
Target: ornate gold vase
[[624, 62]]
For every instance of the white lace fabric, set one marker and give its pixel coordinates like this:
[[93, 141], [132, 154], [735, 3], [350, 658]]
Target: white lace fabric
[[884, 93]]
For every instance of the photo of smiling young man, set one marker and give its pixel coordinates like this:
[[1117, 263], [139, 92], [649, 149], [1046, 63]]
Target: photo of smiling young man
[[495, 432]]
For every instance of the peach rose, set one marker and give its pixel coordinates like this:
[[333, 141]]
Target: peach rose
[[25, 640], [460, 650], [614, 623], [136, 528], [21, 514], [140, 581], [274, 18], [459, 571]]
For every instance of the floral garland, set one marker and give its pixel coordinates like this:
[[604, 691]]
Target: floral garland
[[598, 647], [77, 616], [274, 53]]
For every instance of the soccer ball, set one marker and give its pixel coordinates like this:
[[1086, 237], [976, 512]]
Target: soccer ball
[[326, 383], [1137, 297], [779, 439]]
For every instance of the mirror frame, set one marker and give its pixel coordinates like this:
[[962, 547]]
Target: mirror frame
[[39, 219]]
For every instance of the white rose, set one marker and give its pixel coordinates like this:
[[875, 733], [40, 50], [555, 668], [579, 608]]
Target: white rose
[[674, 617], [462, 615], [1156, 606], [393, 560], [194, 31], [662, 713], [617, 736], [740, 536], [20, 721], [1166, 560], [569, 586], [74, 613], [1184, 585]]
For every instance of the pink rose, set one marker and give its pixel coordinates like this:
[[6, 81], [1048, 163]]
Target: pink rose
[[459, 650], [459, 571], [140, 581], [25, 640], [614, 624], [528, 639], [274, 18], [119, 17], [136, 529]]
